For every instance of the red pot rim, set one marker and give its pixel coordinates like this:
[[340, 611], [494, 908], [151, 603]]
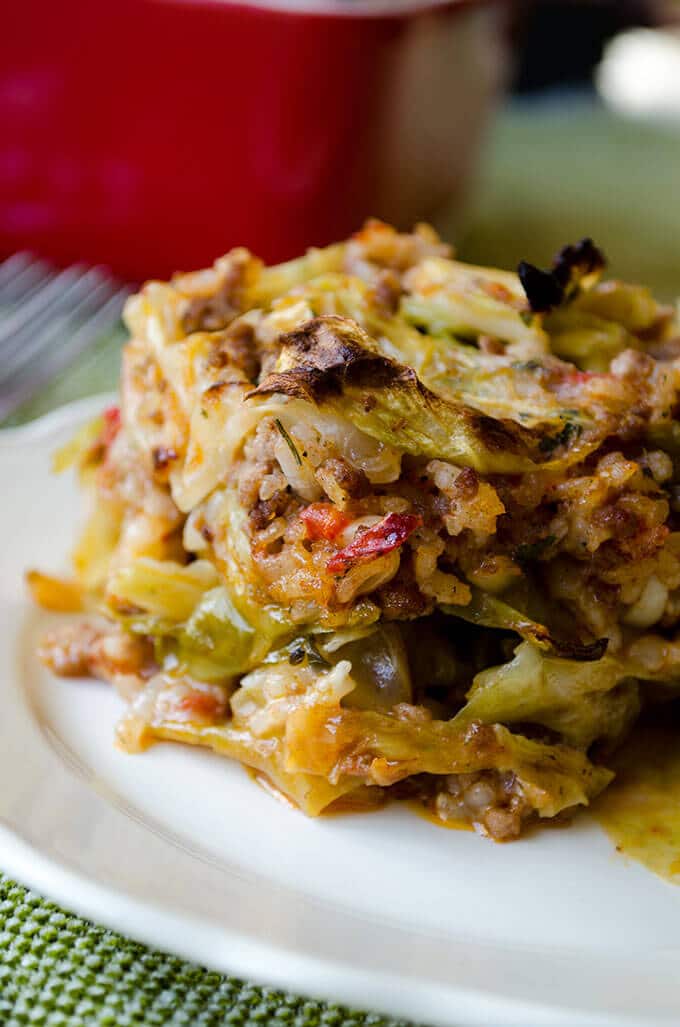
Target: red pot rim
[[343, 8]]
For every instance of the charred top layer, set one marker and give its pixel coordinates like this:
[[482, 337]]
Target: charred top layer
[[329, 355]]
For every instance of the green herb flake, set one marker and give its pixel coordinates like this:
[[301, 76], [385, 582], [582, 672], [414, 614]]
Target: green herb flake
[[563, 437], [313, 654], [300, 651], [527, 365], [289, 442]]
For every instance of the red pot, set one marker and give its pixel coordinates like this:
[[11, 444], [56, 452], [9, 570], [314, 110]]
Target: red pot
[[155, 134]]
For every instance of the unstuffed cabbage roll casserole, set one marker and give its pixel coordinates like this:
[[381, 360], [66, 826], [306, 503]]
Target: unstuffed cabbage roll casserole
[[380, 524]]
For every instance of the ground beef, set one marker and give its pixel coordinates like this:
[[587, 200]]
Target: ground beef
[[210, 300], [258, 463], [378, 246], [341, 482], [237, 347], [490, 800], [466, 484], [266, 510], [400, 598], [69, 652], [387, 290], [79, 650]]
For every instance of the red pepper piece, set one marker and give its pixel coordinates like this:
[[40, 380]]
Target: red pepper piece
[[201, 704], [388, 534], [323, 520], [112, 424]]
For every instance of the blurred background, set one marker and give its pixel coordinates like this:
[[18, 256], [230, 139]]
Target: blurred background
[[587, 142], [153, 135]]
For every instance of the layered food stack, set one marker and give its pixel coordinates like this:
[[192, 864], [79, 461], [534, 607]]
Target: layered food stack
[[378, 523]]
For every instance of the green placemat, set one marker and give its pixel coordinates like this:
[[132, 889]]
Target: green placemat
[[57, 970], [554, 173], [550, 176]]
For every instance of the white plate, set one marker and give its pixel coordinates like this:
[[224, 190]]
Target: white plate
[[179, 849]]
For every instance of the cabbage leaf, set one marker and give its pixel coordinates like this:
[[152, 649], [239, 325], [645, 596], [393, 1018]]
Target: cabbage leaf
[[581, 701], [331, 361], [488, 611], [195, 621], [330, 742]]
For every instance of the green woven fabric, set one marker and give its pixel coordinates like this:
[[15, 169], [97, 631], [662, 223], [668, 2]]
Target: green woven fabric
[[57, 970], [548, 178]]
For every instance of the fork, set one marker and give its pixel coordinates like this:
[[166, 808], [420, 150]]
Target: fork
[[47, 319]]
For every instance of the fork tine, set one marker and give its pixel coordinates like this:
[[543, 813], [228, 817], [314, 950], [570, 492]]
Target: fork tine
[[11, 267], [30, 378], [58, 318], [21, 285], [106, 316], [36, 308], [61, 296]]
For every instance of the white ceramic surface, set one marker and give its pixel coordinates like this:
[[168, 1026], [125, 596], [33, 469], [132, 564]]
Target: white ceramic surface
[[180, 849]]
